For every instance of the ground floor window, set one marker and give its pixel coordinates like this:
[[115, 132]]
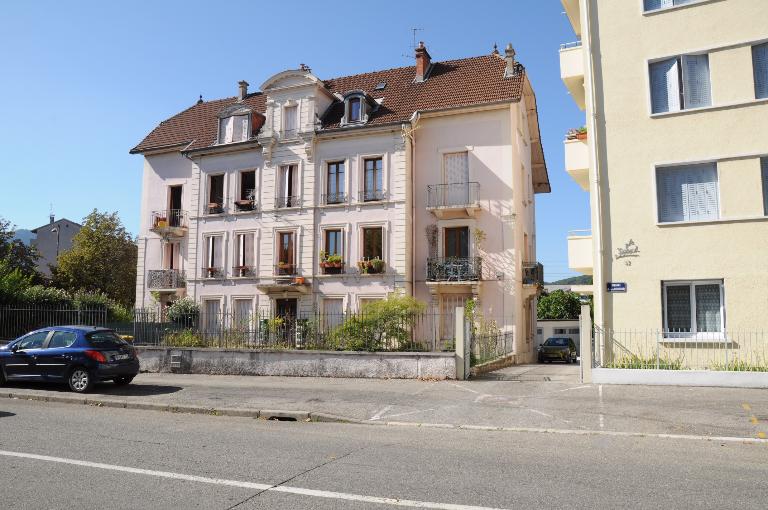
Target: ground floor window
[[692, 307]]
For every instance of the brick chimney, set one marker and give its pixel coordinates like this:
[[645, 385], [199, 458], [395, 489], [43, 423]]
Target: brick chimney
[[243, 90], [423, 61], [509, 56]]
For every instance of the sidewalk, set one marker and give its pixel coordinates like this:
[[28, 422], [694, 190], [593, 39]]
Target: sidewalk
[[487, 403]]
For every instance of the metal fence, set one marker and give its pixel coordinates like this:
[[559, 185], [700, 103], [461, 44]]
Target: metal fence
[[740, 351], [490, 346], [16, 321]]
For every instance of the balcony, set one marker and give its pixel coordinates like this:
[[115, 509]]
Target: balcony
[[284, 269], [580, 255], [165, 280], [533, 274], [573, 11], [170, 223], [286, 280], [212, 273], [450, 201], [454, 269], [572, 71], [577, 161]]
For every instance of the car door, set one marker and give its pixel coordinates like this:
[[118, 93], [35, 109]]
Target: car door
[[54, 360], [22, 363]]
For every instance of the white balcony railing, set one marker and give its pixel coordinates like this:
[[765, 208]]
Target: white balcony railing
[[580, 255]]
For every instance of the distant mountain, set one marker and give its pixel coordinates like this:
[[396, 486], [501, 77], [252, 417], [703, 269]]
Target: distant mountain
[[25, 236], [584, 279]]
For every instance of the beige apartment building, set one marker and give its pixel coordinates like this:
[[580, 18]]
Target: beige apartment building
[[675, 161]]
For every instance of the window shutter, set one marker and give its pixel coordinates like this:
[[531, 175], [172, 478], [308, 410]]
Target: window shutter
[[760, 64], [701, 192], [764, 165], [670, 195], [249, 259], [225, 130], [217, 251], [665, 86], [696, 85]]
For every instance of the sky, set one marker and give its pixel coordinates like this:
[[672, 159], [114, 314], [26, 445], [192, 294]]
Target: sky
[[82, 82]]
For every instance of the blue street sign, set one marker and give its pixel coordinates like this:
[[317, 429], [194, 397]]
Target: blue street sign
[[617, 286]]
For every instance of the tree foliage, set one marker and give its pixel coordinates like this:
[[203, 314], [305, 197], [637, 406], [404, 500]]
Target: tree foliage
[[559, 305], [102, 260], [15, 253], [380, 325]]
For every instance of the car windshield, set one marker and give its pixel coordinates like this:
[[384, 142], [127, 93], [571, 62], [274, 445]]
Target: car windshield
[[105, 339], [557, 342]]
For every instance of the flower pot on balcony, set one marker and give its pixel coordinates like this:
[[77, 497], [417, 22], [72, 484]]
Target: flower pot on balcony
[[298, 280], [244, 205], [214, 208], [212, 271], [581, 136], [161, 222]]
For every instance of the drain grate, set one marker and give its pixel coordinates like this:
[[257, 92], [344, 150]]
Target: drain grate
[[281, 418]]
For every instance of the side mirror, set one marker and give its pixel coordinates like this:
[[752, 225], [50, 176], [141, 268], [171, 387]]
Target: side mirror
[[14, 347]]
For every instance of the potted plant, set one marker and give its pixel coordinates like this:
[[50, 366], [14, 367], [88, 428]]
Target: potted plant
[[331, 264], [212, 271], [214, 208], [377, 265], [284, 267], [242, 271], [161, 222], [298, 280]]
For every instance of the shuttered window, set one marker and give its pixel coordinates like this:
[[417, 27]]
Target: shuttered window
[[233, 129], [764, 167], [760, 64], [688, 193], [680, 83], [654, 5]]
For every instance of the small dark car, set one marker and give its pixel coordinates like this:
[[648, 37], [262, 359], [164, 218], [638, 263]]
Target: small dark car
[[78, 355], [558, 349]]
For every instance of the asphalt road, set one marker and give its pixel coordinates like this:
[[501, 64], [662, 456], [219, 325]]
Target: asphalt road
[[73, 456]]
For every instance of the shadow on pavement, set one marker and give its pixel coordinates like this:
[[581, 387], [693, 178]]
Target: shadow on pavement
[[4, 414], [104, 388]]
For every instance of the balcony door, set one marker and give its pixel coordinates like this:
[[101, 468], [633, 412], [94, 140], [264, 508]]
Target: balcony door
[[288, 195], [174, 205], [456, 178], [285, 253], [456, 242], [171, 256]]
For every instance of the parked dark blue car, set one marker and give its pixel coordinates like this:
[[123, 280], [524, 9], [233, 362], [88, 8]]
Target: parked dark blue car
[[78, 355]]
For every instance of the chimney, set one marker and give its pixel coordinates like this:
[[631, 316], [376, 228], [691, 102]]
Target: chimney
[[243, 90], [509, 56], [422, 62], [52, 218]]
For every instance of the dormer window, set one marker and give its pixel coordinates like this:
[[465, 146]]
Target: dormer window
[[357, 106], [354, 109], [234, 125]]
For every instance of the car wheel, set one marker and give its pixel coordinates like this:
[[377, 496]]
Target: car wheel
[[80, 380], [122, 381], [2, 377]]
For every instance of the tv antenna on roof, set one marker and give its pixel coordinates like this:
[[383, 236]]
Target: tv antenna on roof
[[413, 43]]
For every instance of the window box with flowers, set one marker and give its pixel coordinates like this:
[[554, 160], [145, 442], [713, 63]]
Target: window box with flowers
[[331, 264], [371, 266], [577, 134]]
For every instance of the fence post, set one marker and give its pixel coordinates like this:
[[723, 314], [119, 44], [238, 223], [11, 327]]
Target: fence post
[[462, 352], [585, 339]]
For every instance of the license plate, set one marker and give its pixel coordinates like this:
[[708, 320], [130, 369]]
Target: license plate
[[119, 357]]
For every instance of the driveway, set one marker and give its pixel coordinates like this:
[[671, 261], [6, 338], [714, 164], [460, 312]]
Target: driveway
[[550, 372]]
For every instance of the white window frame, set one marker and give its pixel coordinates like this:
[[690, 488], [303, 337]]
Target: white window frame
[[324, 181], [255, 185], [207, 253], [343, 228], [283, 117], [694, 334], [384, 245], [681, 83], [296, 251], [224, 193], [647, 12], [236, 251], [248, 127], [657, 204], [361, 158], [298, 184]]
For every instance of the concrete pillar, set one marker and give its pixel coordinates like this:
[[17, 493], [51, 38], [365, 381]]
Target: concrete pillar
[[585, 341], [462, 345]]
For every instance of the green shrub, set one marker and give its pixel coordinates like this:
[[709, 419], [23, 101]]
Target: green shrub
[[38, 295], [184, 311], [380, 325], [738, 365], [185, 338]]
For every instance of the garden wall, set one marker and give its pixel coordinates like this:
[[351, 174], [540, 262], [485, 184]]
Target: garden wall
[[297, 363]]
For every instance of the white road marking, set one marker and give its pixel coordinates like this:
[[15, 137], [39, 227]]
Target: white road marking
[[249, 485], [406, 414], [600, 404], [541, 413], [377, 416], [465, 389]]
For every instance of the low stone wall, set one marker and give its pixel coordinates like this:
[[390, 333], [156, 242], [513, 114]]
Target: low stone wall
[[680, 377], [381, 365]]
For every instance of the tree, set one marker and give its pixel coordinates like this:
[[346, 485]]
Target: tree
[[17, 254], [102, 260], [559, 305]]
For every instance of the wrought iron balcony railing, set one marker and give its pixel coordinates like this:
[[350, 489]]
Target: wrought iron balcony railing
[[213, 272], [284, 269], [454, 269], [460, 194], [533, 273], [158, 279], [287, 201], [170, 221], [334, 198], [372, 195], [244, 271]]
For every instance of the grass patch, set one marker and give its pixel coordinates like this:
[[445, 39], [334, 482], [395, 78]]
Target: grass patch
[[640, 363]]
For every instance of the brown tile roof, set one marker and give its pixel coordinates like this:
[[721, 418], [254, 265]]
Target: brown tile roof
[[463, 82]]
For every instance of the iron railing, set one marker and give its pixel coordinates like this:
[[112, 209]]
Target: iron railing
[[736, 351], [489, 346], [285, 202], [244, 271], [170, 219], [372, 195], [165, 279], [285, 270], [462, 194], [454, 269], [215, 207], [533, 273], [212, 272], [16, 321], [334, 198]]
